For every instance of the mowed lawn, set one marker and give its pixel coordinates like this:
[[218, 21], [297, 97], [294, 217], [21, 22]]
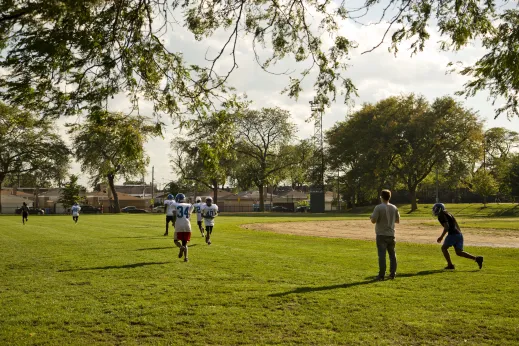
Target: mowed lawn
[[114, 279]]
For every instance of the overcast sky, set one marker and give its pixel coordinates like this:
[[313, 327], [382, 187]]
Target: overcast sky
[[377, 75]]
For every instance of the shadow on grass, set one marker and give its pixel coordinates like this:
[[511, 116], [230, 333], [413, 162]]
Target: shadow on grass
[[367, 281], [155, 248], [140, 236], [126, 266]]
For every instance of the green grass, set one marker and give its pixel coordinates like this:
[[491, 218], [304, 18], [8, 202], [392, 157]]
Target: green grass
[[114, 279]]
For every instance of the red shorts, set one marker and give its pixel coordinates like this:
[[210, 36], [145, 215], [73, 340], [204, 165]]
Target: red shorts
[[182, 236]]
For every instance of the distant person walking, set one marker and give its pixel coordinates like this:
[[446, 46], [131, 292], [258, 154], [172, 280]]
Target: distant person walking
[[454, 236], [384, 216], [25, 213], [75, 212]]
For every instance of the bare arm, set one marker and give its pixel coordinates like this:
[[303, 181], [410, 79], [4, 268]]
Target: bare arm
[[445, 230]]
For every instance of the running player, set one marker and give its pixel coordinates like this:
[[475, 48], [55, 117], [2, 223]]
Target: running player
[[198, 210], [169, 210], [454, 236], [182, 225], [75, 212], [25, 213], [209, 212]]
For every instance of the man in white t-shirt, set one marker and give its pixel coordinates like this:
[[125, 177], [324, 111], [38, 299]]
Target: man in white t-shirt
[[384, 216], [198, 210], [209, 212], [75, 212], [170, 211], [182, 224]]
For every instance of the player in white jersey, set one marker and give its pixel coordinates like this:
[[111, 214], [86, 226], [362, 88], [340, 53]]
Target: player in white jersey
[[182, 225], [209, 212], [75, 212], [170, 211], [198, 210]]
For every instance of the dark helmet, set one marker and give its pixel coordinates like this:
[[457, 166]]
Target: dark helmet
[[170, 196], [437, 208]]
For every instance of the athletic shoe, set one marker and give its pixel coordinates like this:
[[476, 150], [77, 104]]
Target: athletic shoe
[[181, 252], [186, 260], [165, 234], [479, 261], [208, 242], [379, 278], [392, 276], [203, 235], [449, 267]]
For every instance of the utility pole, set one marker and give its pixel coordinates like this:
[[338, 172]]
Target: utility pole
[[152, 182]]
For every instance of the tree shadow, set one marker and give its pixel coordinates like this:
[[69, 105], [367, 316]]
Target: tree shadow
[[126, 266], [154, 248], [368, 280], [141, 237]]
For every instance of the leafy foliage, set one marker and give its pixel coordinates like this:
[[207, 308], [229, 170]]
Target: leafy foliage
[[111, 144], [484, 184], [70, 192], [30, 147]]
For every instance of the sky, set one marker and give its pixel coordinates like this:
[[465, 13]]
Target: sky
[[377, 75]]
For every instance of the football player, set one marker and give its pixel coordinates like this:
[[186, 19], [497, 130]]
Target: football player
[[198, 210], [75, 212], [182, 225], [169, 210], [209, 212]]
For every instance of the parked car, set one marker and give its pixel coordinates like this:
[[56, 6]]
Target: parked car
[[279, 208], [88, 209], [127, 209], [158, 209], [302, 209], [32, 211], [136, 211]]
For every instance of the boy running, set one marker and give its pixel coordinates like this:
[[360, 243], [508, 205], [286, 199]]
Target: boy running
[[454, 236], [75, 212], [182, 225], [169, 210], [25, 213], [209, 212], [198, 210]]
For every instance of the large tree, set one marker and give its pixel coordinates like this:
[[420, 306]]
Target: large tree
[[262, 144], [205, 154], [66, 56], [401, 139], [109, 145], [70, 193], [29, 146]]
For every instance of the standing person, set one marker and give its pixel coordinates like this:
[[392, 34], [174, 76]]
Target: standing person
[[75, 212], [198, 210], [454, 236], [384, 216], [170, 211], [209, 212], [182, 225], [25, 213]]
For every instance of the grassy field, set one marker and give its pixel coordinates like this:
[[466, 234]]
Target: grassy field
[[114, 279]]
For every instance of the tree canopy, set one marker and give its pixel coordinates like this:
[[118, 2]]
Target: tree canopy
[[110, 145], [65, 57]]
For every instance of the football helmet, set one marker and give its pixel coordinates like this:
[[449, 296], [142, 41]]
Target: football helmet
[[170, 196], [208, 201], [198, 200], [180, 198], [437, 208]]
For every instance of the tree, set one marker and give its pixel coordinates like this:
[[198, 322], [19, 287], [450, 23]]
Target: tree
[[511, 177], [70, 192], [411, 138], [99, 49], [30, 146], [111, 144], [205, 155], [262, 144], [484, 184]]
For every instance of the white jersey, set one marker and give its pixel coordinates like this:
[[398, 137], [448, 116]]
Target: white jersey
[[209, 212], [198, 210], [183, 223], [170, 206], [75, 210]]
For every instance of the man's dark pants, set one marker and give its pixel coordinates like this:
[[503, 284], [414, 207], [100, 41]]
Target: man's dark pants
[[385, 244]]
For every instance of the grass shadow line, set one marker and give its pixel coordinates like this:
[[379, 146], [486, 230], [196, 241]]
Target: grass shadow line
[[154, 248], [367, 281], [125, 266]]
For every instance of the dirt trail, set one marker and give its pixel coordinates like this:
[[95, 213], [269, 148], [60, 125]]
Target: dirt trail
[[409, 231]]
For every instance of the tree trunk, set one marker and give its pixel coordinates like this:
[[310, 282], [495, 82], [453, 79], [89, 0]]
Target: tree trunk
[[412, 193], [261, 201], [215, 193], [2, 177], [114, 193]]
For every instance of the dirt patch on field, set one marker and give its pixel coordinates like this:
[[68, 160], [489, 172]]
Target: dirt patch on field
[[409, 231]]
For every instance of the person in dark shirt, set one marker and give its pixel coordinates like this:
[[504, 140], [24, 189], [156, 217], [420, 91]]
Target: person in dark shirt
[[25, 213], [454, 236]]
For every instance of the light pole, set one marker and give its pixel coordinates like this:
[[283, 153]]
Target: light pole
[[318, 138]]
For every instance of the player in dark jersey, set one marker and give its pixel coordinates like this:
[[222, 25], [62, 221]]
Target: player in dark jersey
[[454, 236], [169, 210], [25, 213]]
